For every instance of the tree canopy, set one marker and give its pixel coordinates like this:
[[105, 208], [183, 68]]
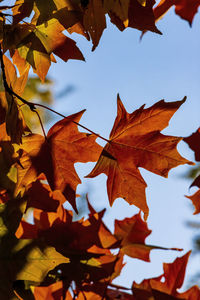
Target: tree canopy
[[55, 257]]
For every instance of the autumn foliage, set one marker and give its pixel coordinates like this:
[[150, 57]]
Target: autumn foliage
[[55, 257]]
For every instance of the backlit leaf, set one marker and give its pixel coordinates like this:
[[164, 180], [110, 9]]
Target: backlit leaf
[[21, 259], [136, 141], [36, 43], [186, 9], [195, 198], [15, 124], [165, 286], [139, 16], [193, 142], [56, 155], [119, 8], [94, 20], [132, 232]]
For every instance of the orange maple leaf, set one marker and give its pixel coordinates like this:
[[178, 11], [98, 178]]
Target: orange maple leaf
[[173, 276], [132, 233], [55, 156], [51, 292], [136, 141], [10, 110], [195, 198]]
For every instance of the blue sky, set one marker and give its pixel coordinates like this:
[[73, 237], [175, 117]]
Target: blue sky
[[158, 67]]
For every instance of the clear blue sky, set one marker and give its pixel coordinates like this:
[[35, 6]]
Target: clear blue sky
[[158, 67]]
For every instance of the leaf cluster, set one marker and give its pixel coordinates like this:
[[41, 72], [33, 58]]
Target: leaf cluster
[[54, 257]]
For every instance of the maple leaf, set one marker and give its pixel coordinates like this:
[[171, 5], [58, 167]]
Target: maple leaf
[[195, 198], [51, 292], [22, 9], [67, 12], [193, 142], [186, 9], [132, 232], [15, 123], [36, 43], [26, 260], [59, 231], [120, 9], [94, 20], [95, 291], [132, 14], [40, 196], [166, 289], [136, 141], [55, 156], [77, 240]]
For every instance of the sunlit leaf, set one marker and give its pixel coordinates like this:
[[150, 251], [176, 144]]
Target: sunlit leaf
[[136, 141]]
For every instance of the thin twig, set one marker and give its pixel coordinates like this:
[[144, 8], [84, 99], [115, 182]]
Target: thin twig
[[83, 295], [80, 125], [119, 287], [41, 123], [32, 105]]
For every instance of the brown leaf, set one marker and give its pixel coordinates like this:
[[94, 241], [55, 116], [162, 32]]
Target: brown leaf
[[186, 9], [94, 20], [196, 182], [139, 16], [36, 43], [71, 18], [119, 8], [56, 155], [195, 198], [165, 286], [142, 17], [78, 241], [192, 294], [161, 9], [15, 123], [51, 292], [193, 142], [22, 9], [174, 274], [7, 161], [40, 196], [131, 233], [136, 141]]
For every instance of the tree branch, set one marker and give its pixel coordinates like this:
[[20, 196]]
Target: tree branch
[[33, 105]]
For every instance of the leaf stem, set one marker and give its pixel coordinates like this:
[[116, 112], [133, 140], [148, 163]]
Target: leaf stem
[[40, 120], [33, 105], [80, 125]]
